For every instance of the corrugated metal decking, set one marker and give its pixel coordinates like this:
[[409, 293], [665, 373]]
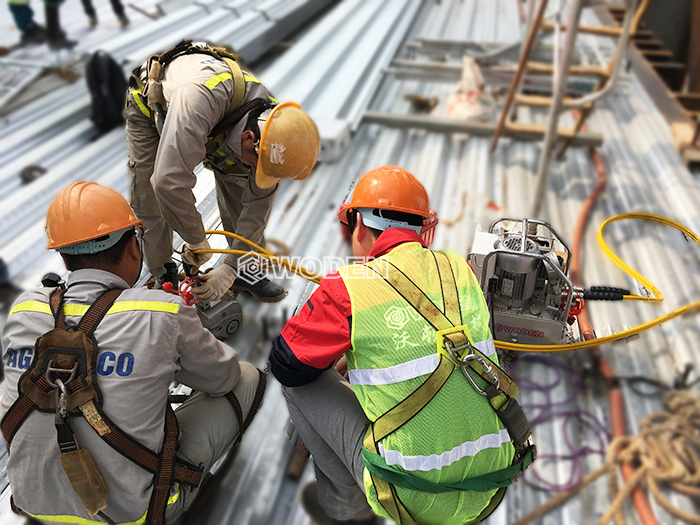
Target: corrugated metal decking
[[333, 70]]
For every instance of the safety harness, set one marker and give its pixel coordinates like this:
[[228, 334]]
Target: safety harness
[[455, 350], [152, 91], [62, 380]]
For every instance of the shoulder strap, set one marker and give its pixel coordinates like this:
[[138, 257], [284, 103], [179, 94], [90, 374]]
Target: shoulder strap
[[56, 305], [97, 311], [237, 115], [238, 84]]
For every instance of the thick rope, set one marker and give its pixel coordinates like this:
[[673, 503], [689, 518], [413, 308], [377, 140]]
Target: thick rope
[[666, 451]]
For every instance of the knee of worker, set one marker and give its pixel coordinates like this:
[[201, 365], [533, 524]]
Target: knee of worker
[[247, 387], [208, 428]]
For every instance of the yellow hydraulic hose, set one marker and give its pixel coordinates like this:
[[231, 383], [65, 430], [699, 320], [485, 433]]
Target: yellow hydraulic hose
[[657, 297], [303, 272]]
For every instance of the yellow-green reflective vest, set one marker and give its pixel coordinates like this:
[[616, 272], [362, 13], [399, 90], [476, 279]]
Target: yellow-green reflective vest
[[458, 435]]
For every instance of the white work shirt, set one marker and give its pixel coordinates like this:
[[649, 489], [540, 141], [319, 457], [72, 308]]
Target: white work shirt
[[151, 339]]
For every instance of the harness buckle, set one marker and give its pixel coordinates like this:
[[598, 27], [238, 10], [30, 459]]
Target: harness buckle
[[61, 398], [472, 356], [50, 369]]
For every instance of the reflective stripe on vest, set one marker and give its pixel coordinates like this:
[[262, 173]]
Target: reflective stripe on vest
[[80, 309], [393, 348], [409, 370], [82, 521]]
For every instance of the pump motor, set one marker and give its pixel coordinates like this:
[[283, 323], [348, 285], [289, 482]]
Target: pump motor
[[522, 266]]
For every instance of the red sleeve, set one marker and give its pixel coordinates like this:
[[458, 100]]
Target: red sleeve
[[314, 338]]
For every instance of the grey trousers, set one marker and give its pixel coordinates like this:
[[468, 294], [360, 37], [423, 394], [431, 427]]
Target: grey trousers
[[208, 428], [332, 424], [244, 208]]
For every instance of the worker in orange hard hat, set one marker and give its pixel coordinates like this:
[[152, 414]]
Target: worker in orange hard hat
[[193, 104], [408, 326], [88, 365]]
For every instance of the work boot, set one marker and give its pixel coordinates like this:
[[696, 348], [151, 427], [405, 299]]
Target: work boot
[[312, 506], [170, 276], [263, 289], [34, 34], [56, 37]]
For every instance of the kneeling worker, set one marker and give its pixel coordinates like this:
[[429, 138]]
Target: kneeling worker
[[409, 437], [91, 435]]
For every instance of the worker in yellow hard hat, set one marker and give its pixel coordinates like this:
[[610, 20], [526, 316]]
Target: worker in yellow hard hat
[[413, 432], [88, 364], [193, 104]]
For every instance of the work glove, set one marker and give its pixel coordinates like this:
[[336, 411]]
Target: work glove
[[215, 283], [196, 259]]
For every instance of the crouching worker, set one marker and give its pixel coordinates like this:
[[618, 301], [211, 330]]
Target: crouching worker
[[91, 435], [428, 429]]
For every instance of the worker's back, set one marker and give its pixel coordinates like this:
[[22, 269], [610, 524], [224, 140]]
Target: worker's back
[[140, 343], [457, 435]]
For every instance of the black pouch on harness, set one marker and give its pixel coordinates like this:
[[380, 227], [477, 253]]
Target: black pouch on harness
[[107, 85]]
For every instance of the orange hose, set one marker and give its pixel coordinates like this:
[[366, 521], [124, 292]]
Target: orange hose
[[617, 402], [521, 5]]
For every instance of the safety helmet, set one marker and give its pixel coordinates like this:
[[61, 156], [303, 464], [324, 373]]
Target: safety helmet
[[289, 145], [387, 188], [84, 212]]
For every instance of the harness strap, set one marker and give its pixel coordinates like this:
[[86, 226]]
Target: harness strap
[[166, 471], [238, 84], [132, 449], [257, 401], [237, 115], [97, 311], [55, 304], [15, 416]]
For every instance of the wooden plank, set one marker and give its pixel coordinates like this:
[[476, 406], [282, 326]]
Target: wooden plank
[[548, 69], [657, 55], [592, 30], [539, 101], [477, 128], [648, 44], [642, 34], [672, 73], [689, 101]]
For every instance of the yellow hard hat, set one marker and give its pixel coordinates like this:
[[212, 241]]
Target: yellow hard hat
[[85, 211], [289, 145]]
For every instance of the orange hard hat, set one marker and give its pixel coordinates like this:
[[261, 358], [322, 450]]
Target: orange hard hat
[[289, 146], [85, 211], [388, 188]]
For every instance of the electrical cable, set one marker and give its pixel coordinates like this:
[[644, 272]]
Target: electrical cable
[[547, 413]]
